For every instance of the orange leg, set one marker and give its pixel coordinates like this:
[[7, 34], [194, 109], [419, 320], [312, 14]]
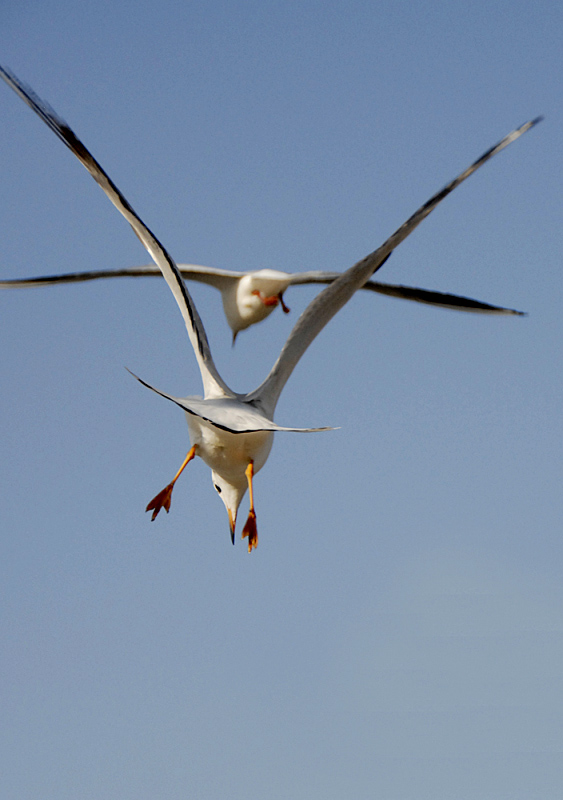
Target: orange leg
[[250, 529], [164, 498]]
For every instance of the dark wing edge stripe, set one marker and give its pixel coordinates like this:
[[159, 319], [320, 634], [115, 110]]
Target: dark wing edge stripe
[[179, 403], [61, 129], [425, 209], [441, 299], [330, 300]]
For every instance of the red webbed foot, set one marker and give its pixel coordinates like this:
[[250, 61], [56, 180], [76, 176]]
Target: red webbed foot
[[251, 531], [162, 500]]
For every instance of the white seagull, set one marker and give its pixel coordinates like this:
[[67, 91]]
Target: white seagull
[[250, 297], [233, 433]]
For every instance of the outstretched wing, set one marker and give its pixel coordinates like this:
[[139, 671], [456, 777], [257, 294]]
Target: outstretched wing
[[440, 299], [321, 310], [428, 296], [219, 278], [214, 385], [227, 413]]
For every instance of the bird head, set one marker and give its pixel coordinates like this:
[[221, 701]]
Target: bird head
[[253, 297]]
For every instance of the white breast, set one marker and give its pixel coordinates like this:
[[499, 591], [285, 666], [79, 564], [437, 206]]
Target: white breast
[[228, 454]]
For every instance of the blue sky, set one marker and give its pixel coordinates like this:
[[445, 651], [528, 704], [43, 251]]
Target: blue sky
[[399, 631]]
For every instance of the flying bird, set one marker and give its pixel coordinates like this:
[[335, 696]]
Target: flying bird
[[233, 433], [250, 297]]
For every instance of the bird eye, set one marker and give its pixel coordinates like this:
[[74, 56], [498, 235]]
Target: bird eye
[[218, 488]]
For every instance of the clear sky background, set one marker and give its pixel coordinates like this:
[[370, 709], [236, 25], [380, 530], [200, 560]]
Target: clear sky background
[[399, 631]]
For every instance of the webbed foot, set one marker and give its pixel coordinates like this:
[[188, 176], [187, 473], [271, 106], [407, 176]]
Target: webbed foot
[[162, 500], [251, 531]]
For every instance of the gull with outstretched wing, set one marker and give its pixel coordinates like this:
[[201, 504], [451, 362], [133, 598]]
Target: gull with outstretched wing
[[250, 297], [231, 432]]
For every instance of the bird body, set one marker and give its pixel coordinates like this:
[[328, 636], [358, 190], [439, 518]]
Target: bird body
[[228, 455], [233, 433]]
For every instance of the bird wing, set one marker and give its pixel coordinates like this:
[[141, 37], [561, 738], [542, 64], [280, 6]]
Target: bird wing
[[441, 299], [212, 381], [217, 278], [227, 413], [325, 305], [433, 298]]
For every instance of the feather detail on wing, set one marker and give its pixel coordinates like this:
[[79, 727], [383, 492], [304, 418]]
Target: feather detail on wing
[[321, 310], [218, 278], [227, 413], [212, 381], [439, 299], [427, 296]]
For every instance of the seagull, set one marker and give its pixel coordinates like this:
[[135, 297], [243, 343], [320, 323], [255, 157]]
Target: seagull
[[233, 433], [250, 297]]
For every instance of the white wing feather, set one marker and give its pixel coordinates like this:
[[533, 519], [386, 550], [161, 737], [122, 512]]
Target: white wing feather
[[228, 413], [321, 310], [213, 384]]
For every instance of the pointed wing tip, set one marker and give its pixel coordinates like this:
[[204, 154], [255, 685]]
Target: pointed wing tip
[[530, 124], [141, 381], [319, 430], [527, 125]]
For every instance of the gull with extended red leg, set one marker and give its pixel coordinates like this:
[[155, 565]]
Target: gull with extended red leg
[[231, 432]]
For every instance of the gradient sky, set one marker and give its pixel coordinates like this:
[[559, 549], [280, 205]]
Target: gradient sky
[[398, 633]]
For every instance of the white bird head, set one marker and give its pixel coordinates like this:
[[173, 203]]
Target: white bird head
[[253, 297]]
